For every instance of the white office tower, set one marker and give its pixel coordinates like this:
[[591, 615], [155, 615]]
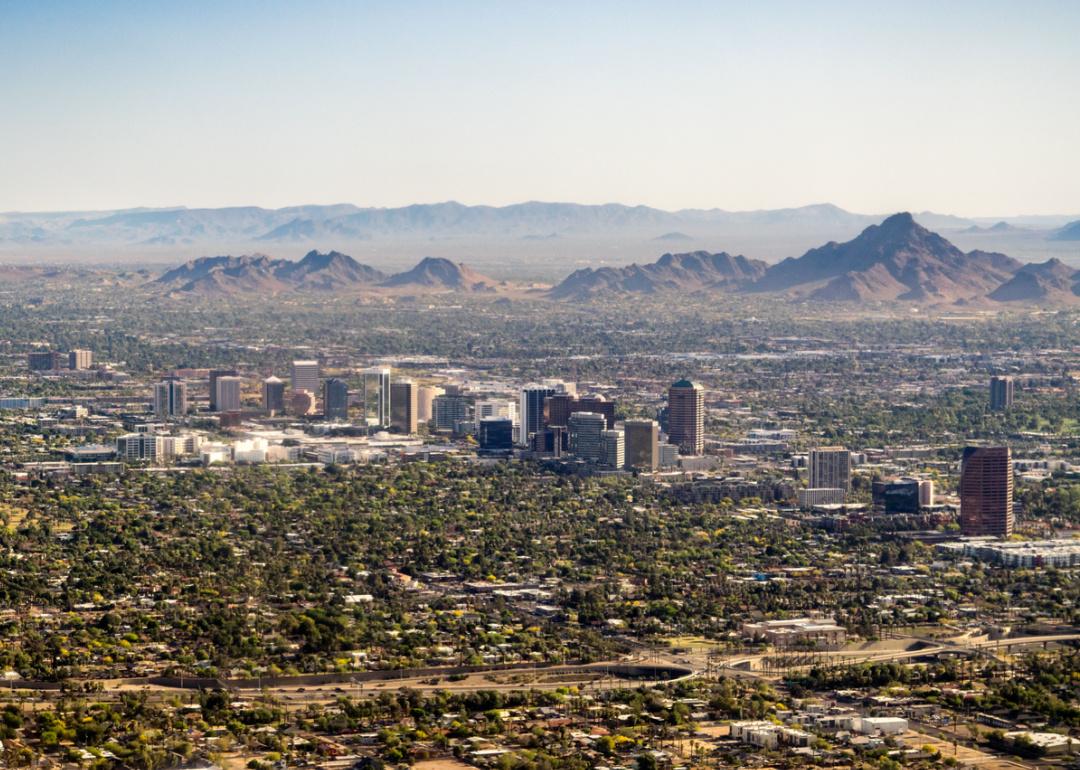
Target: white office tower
[[170, 399], [80, 359], [138, 446], [375, 395], [830, 468], [586, 430], [227, 393], [425, 395], [182, 445], [612, 448], [305, 376], [531, 409], [926, 493], [494, 408]]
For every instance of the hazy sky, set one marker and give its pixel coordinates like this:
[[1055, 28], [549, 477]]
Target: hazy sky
[[963, 107]]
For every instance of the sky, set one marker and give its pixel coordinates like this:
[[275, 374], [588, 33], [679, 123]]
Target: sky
[[971, 108]]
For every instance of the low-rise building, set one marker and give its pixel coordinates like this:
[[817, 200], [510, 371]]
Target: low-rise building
[[881, 725], [1046, 743], [1059, 553], [814, 496], [768, 735], [17, 402], [798, 632]]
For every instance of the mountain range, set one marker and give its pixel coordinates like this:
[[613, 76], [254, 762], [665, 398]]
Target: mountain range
[[1049, 282], [533, 219], [296, 224], [897, 260], [696, 271], [996, 228], [326, 272], [441, 274], [533, 241], [1070, 232]]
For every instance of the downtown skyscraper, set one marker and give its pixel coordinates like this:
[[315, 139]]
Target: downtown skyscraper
[[686, 417]]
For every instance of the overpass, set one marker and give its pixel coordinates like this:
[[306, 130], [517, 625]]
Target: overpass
[[758, 665]]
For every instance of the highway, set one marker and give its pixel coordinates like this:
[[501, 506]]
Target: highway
[[650, 666]]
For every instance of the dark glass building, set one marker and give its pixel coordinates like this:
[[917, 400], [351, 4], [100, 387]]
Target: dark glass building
[[336, 399], [986, 491], [496, 434]]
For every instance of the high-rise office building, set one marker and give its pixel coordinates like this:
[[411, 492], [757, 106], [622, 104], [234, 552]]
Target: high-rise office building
[[80, 359], [1001, 393], [44, 361], [559, 407], [404, 402], [138, 446], [926, 493], [496, 434], [531, 410], [552, 441], [830, 468], [305, 376], [451, 410], [986, 491], [336, 399], [425, 395], [586, 430], [375, 396], [273, 395], [686, 417], [214, 374], [170, 398], [227, 389], [642, 444], [612, 448], [897, 495]]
